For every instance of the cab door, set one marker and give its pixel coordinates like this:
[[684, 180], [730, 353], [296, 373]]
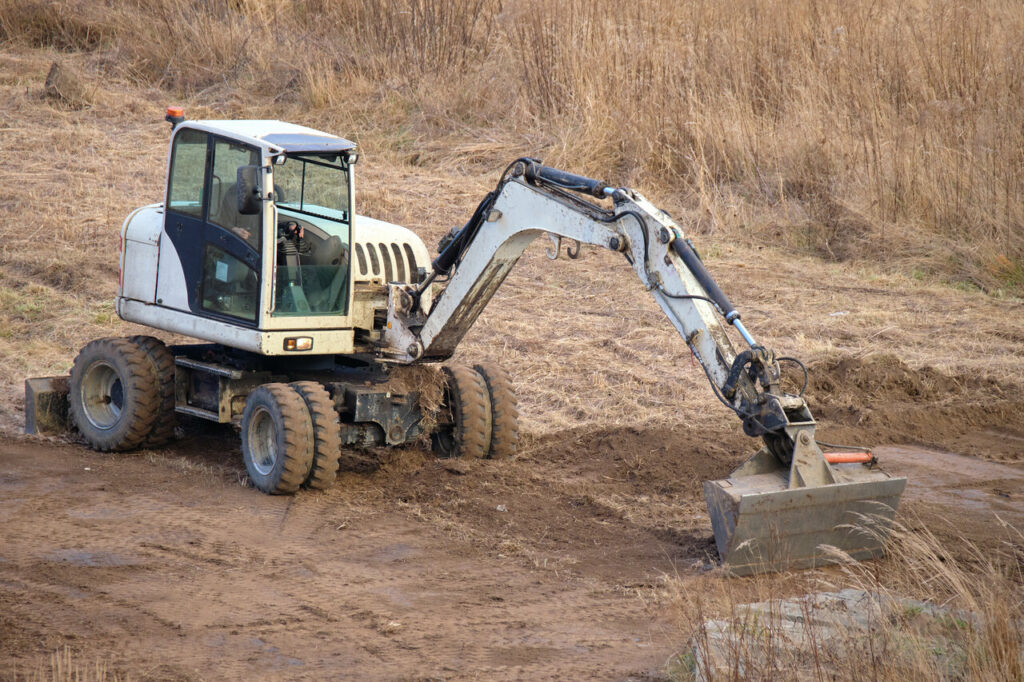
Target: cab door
[[211, 266]]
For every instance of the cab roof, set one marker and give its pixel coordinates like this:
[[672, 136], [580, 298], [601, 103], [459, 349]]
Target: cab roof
[[276, 136]]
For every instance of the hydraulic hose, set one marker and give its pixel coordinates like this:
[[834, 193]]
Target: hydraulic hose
[[446, 259], [566, 180], [693, 262]]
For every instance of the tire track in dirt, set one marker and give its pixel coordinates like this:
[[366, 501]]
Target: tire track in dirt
[[186, 574], [550, 565]]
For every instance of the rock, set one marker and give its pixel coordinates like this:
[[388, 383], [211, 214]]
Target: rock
[[65, 84], [795, 637]]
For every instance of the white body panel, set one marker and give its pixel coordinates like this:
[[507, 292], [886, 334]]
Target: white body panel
[[325, 341], [140, 237], [370, 232]]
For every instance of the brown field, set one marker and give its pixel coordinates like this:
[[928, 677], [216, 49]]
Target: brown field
[[852, 172]]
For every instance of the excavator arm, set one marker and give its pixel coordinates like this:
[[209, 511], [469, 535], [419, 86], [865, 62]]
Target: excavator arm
[[753, 511]]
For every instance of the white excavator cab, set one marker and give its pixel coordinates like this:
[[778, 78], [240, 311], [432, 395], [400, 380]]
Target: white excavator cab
[[254, 245]]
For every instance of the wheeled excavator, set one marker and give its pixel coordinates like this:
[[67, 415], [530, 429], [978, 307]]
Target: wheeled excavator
[[304, 310]]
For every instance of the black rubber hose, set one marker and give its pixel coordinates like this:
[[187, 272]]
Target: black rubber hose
[[738, 365], [446, 259], [565, 180], [693, 262]]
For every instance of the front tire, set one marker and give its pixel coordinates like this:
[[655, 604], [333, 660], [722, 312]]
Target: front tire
[[114, 396], [504, 411], [277, 439], [465, 429]]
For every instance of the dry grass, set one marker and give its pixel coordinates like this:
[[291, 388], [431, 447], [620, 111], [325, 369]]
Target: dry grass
[[970, 625], [66, 666], [752, 123], [853, 131]]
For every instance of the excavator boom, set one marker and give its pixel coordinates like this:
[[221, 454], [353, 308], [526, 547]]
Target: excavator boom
[[787, 506]]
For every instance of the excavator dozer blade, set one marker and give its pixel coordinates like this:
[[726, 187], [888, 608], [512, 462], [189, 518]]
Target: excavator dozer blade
[[761, 524]]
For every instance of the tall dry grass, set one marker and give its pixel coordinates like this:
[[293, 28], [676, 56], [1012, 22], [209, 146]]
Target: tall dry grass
[[888, 132], [934, 614]]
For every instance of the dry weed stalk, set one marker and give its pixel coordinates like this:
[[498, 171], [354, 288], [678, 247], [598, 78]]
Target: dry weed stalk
[[850, 130], [968, 622]]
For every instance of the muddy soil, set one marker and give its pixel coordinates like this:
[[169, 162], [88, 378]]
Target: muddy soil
[[165, 565]]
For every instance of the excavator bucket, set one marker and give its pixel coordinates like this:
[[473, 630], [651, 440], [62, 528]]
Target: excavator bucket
[[769, 517]]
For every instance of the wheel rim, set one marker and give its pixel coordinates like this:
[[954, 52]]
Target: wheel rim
[[262, 441], [102, 395]]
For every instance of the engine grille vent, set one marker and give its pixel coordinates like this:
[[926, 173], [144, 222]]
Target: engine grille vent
[[395, 262]]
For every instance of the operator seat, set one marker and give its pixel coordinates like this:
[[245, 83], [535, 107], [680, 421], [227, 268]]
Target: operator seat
[[330, 251]]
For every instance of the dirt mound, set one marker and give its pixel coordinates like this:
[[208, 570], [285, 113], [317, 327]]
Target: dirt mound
[[889, 378], [596, 503], [668, 458], [880, 399]]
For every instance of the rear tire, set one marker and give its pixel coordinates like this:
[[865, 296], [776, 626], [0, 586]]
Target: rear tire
[[467, 430], [504, 411], [114, 395], [163, 368], [277, 439], [326, 434]]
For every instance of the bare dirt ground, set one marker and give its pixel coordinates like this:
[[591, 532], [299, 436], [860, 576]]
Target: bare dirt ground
[[557, 565], [561, 563]]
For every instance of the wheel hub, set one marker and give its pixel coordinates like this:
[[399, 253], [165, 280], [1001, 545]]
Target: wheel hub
[[102, 395], [262, 441]]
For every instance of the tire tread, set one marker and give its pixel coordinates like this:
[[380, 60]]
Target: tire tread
[[298, 437], [326, 434], [164, 369], [504, 411], [472, 412]]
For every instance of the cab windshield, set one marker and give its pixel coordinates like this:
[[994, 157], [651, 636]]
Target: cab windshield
[[315, 185], [313, 235]]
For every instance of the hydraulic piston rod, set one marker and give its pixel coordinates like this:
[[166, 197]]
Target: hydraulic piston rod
[[692, 261]]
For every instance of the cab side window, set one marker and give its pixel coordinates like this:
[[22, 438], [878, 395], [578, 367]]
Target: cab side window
[[227, 157], [188, 171]]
